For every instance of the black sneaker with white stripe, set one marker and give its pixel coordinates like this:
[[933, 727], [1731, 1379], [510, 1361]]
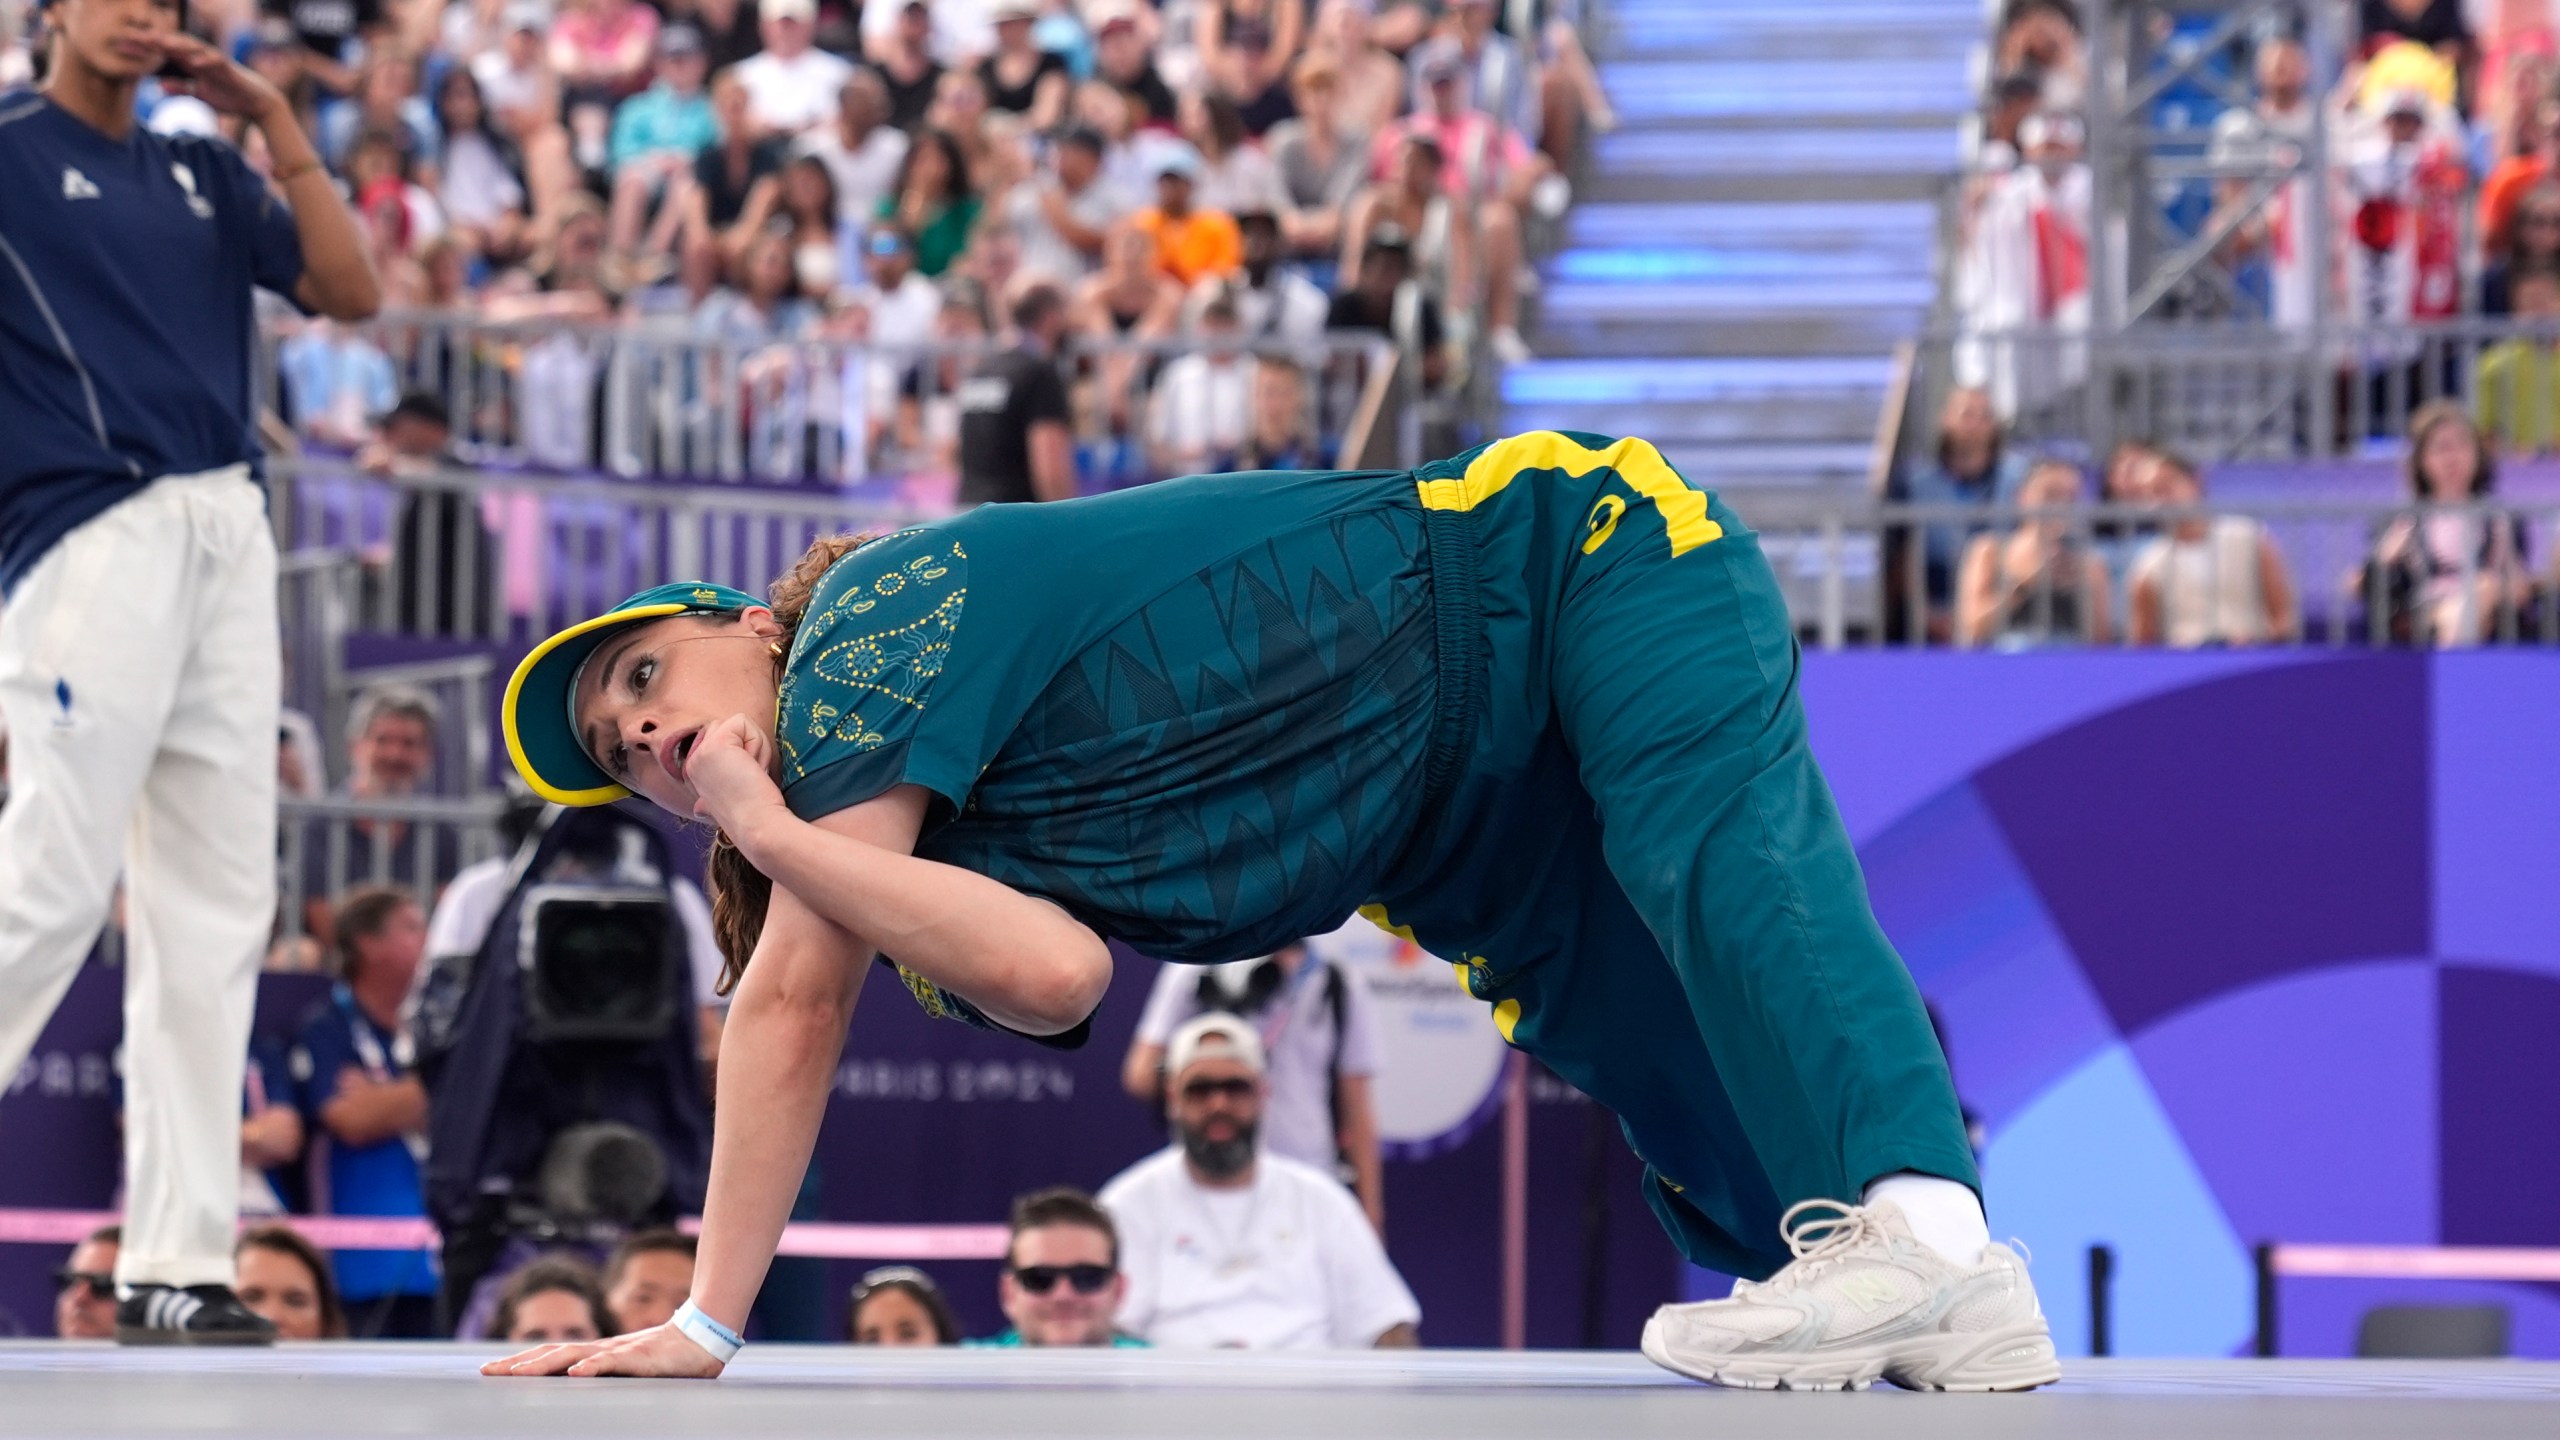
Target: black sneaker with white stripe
[[195, 1315]]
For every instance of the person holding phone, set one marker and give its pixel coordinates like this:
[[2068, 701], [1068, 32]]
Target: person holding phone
[[139, 675]]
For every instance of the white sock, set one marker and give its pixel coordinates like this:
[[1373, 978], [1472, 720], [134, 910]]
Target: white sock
[[1945, 1216]]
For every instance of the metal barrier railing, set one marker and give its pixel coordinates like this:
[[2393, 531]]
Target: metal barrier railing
[[2249, 392], [464, 554], [330, 845], [318, 592], [645, 397], [1856, 571], [1994, 577]]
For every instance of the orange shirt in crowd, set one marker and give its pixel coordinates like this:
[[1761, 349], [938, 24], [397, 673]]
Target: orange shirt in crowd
[[1204, 242], [2505, 189]]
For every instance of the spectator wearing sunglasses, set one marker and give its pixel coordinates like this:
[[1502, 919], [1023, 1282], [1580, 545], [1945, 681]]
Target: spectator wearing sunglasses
[[1061, 1283], [1229, 1248], [900, 1305], [84, 1289]]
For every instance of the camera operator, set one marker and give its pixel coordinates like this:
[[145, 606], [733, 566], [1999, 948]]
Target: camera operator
[[465, 911], [560, 1033]]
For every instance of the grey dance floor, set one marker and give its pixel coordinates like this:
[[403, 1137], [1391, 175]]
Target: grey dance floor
[[49, 1389]]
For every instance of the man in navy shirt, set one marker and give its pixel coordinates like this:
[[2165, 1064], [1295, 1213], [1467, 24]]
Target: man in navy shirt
[[367, 1111], [139, 676]]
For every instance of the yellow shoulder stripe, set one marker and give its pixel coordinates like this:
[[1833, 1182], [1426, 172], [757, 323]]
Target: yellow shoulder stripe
[[1683, 507]]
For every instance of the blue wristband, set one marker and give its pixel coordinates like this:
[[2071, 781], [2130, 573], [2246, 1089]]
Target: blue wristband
[[716, 1339]]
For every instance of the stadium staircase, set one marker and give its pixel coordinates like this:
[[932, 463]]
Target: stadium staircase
[[1747, 248]]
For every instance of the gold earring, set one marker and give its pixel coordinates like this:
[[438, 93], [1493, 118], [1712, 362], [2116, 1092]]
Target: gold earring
[[774, 648]]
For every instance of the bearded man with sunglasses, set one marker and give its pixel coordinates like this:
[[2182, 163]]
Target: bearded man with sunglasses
[[1227, 1247], [1062, 1283]]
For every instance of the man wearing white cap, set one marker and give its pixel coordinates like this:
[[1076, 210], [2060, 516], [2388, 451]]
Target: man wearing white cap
[[962, 29], [792, 86], [1229, 1248]]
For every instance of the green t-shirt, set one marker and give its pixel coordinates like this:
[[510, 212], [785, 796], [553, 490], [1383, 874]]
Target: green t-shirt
[[1195, 715], [943, 237]]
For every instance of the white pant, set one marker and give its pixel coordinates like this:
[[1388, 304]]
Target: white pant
[[140, 685]]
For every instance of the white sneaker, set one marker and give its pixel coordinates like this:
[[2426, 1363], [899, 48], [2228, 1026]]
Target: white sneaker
[[1507, 346], [1863, 1300]]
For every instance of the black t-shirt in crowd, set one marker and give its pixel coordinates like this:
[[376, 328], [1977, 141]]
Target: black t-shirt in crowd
[[1017, 98], [327, 27], [1352, 311], [1001, 400], [909, 99], [724, 195], [1150, 88], [723, 48], [2441, 21]]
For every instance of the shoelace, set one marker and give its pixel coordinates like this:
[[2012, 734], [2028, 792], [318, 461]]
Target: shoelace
[[1816, 1238]]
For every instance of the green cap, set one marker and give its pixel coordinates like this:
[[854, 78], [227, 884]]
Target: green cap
[[540, 721]]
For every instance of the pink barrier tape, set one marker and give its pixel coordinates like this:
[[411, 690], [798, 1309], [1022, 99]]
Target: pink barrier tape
[[360, 1232], [2418, 1262]]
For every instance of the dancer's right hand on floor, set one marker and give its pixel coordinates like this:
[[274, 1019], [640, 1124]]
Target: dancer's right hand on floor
[[662, 1351]]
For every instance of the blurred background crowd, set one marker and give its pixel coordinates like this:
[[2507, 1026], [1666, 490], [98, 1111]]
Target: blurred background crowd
[[741, 175]]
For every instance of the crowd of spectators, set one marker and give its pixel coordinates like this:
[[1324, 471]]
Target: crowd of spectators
[[765, 172], [2435, 186], [2001, 557], [2440, 206]]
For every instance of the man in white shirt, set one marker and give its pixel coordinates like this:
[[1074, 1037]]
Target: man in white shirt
[[792, 86], [515, 76], [1202, 409], [1272, 301], [961, 30], [863, 151], [893, 314], [1229, 1248], [1064, 216], [1319, 1032]]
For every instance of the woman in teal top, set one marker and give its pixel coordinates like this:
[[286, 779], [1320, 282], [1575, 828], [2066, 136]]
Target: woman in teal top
[[1533, 707]]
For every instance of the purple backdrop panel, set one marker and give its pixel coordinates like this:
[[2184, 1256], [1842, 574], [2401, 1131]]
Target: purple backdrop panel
[[1894, 727], [2018, 1015], [2230, 832], [2499, 1171], [59, 1116], [2497, 818], [2285, 1090], [935, 1122], [2378, 481]]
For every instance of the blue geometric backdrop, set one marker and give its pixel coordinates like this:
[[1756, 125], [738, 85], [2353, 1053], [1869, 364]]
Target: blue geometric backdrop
[[2229, 948]]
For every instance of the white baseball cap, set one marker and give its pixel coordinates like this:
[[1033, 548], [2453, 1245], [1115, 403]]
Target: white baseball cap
[[1212, 1036]]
